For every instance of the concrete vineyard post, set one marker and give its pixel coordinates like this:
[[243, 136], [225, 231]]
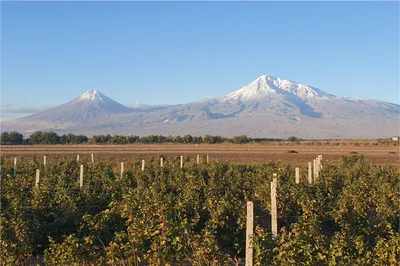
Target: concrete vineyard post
[[319, 162], [142, 165], [162, 162], [44, 160], [198, 159], [181, 161], [297, 175], [77, 158], [208, 159], [15, 166], [309, 173], [92, 158], [274, 214], [37, 178], [122, 169], [249, 233], [81, 177], [315, 170]]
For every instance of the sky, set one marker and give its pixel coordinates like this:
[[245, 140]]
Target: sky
[[178, 52]]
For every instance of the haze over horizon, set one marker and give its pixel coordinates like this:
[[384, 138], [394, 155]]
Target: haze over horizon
[[179, 52]]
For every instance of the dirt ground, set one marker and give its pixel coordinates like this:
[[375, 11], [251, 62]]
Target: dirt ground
[[257, 152]]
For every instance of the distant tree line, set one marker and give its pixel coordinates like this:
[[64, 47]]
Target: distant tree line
[[40, 137]]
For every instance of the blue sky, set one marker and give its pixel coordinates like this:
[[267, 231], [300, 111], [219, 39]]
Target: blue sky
[[177, 52]]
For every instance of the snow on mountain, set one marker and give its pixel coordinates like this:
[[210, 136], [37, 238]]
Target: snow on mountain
[[269, 86], [91, 95], [88, 107], [266, 107]]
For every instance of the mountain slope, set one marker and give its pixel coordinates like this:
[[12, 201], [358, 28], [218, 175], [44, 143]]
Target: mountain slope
[[267, 107], [90, 106]]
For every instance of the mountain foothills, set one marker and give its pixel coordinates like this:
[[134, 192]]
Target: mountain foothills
[[267, 107]]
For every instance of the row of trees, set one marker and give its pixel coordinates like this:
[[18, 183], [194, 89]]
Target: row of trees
[[39, 137]]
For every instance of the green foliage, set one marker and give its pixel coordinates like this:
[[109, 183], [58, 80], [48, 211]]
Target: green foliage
[[73, 139], [240, 139], [39, 137], [11, 138], [196, 215]]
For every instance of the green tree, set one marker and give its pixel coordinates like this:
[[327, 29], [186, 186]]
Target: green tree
[[240, 139], [187, 139], [11, 138], [36, 137]]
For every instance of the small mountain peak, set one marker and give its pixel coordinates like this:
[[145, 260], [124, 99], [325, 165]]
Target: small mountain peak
[[91, 95]]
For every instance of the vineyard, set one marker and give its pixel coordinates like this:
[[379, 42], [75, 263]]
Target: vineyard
[[196, 215]]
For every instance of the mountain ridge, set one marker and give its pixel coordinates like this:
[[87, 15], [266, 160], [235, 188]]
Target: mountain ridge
[[266, 107]]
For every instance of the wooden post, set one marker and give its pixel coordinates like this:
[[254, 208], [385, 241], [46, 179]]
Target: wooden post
[[122, 169], [15, 166], [198, 159], [162, 162], [37, 178], [77, 158], [44, 160], [181, 161], [208, 159], [142, 165], [297, 175], [309, 173], [249, 234], [92, 158], [274, 213], [81, 177]]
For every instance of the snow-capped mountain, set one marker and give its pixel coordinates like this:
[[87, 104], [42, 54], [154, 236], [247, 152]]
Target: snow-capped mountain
[[266, 107], [90, 106], [268, 87]]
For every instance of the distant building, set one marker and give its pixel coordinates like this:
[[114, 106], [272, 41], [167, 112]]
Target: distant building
[[396, 139]]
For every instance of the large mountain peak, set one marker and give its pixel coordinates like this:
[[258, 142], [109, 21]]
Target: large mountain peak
[[267, 86], [266, 107]]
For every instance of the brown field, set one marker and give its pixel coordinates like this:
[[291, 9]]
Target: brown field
[[257, 153]]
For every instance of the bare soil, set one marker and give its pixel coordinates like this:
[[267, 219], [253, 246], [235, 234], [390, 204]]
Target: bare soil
[[257, 153]]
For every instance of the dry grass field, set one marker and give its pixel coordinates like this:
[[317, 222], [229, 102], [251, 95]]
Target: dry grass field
[[257, 152]]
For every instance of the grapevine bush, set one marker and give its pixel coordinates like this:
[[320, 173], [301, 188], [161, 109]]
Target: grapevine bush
[[197, 215]]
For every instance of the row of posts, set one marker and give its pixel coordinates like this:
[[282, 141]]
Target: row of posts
[[81, 168], [122, 167], [317, 166], [250, 221], [313, 169]]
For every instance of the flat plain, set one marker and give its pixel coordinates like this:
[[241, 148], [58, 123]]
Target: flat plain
[[251, 152]]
